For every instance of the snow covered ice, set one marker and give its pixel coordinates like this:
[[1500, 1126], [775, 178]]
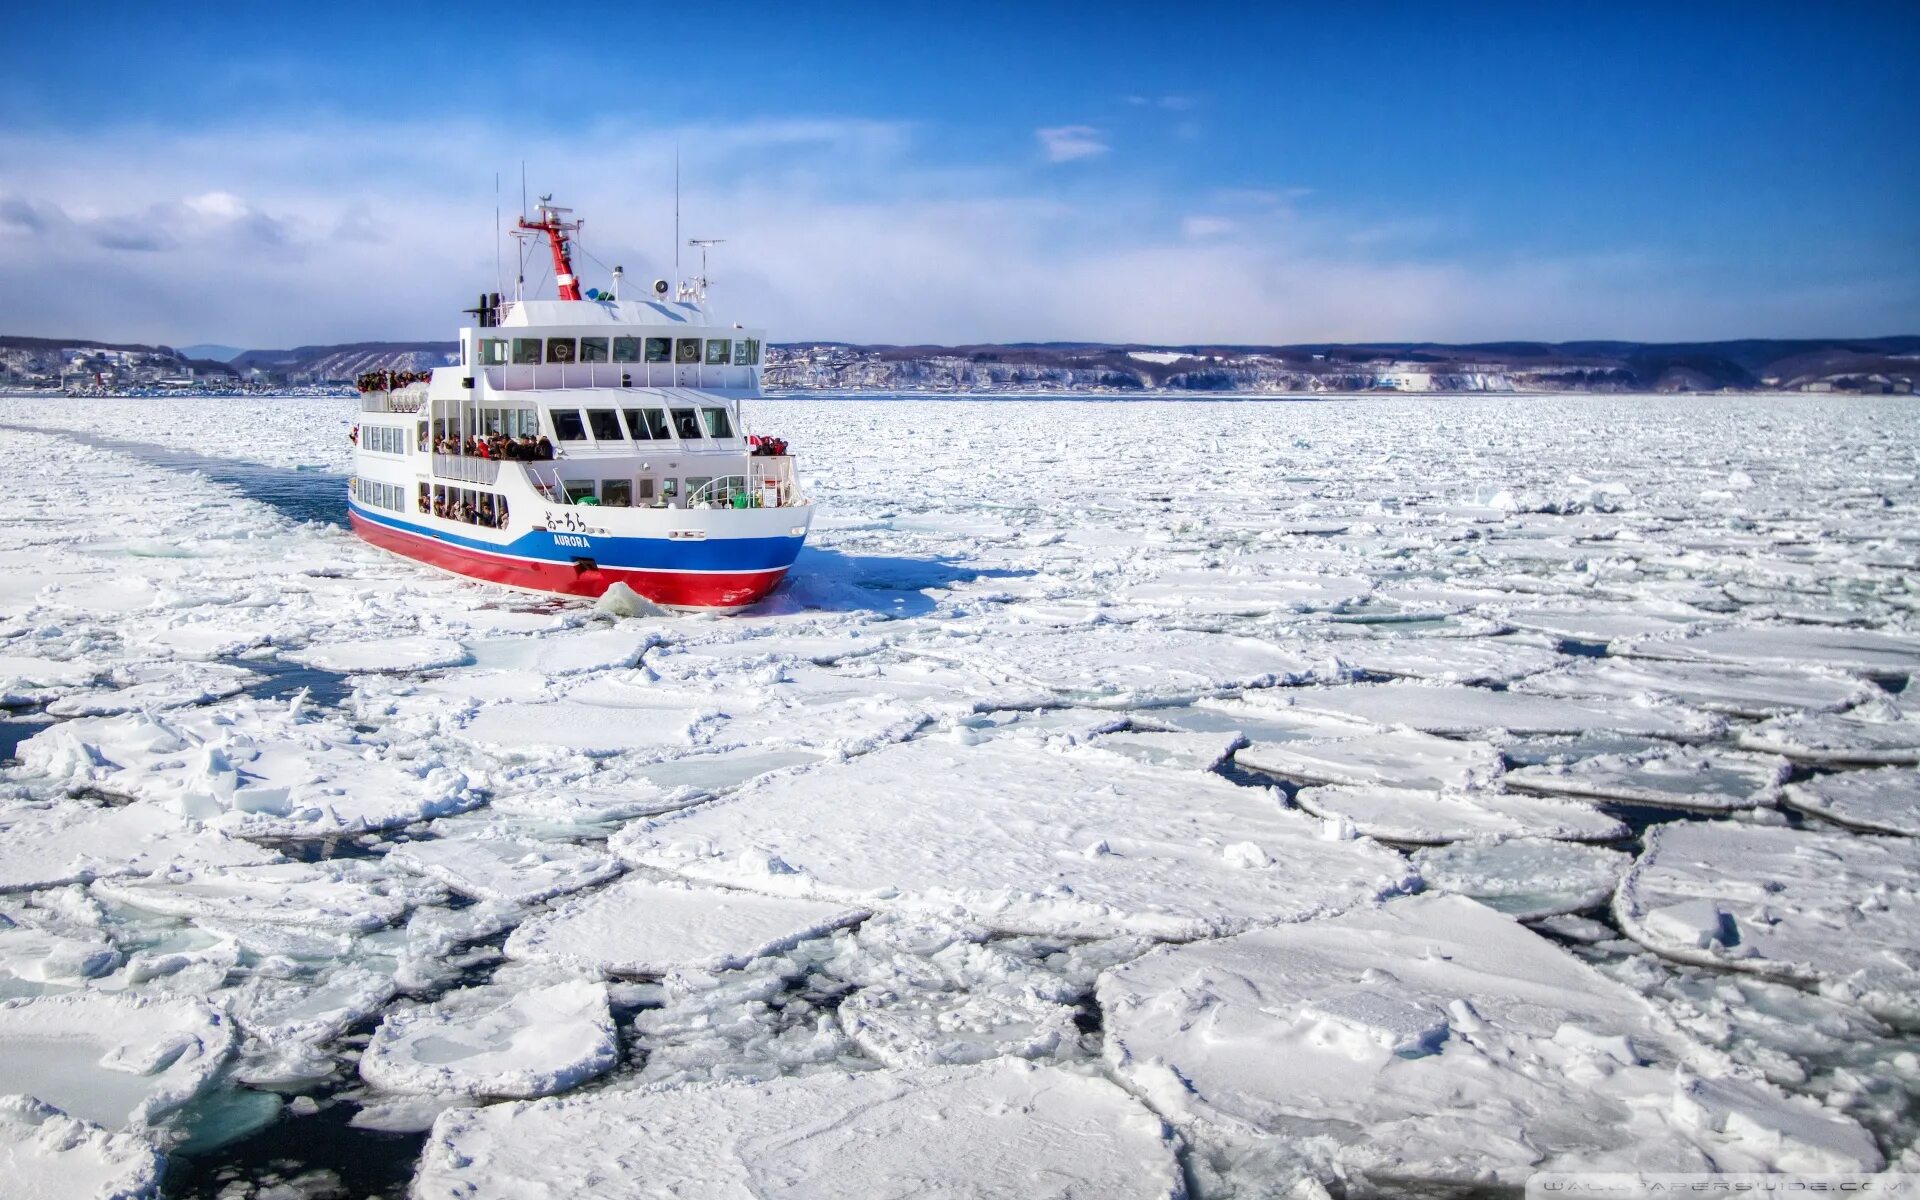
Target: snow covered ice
[[1079, 819]]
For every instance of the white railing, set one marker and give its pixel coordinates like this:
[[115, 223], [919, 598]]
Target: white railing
[[405, 400], [467, 470], [528, 377], [768, 483]]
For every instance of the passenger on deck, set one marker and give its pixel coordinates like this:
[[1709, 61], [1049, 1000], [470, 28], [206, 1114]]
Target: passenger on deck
[[544, 449]]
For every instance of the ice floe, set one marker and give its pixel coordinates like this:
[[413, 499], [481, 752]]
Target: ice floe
[[1669, 777], [1867, 651], [47, 1155], [119, 1061], [1433, 1041], [45, 845], [382, 655], [1736, 691], [1398, 758], [944, 825], [1832, 910], [1878, 733], [956, 1131], [1460, 711], [337, 897], [1526, 878], [492, 863], [253, 767], [1884, 800], [495, 1042], [643, 927], [1431, 817]]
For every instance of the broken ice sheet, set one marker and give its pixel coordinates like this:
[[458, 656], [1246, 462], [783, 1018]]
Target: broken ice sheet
[[1832, 910], [45, 1153], [1668, 777], [1462, 711], [998, 1129], [1886, 655], [119, 1061], [1432, 1040], [1883, 800], [1735, 690], [493, 863], [1418, 817], [1526, 878], [1363, 756], [643, 927], [494, 1041], [45, 845], [1133, 849], [1879, 732], [253, 767]]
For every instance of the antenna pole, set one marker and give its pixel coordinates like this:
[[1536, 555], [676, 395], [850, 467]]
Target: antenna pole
[[676, 213], [496, 234]]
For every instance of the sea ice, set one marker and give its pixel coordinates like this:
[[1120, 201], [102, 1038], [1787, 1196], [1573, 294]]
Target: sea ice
[[1022, 836], [117, 1060], [996, 1130], [1668, 777], [1734, 691], [1479, 660], [1526, 878], [1886, 800], [1433, 1041], [1431, 817], [336, 897], [1874, 734], [47, 1155], [1400, 758], [395, 655], [46, 845], [1886, 655], [913, 1028], [642, 927], [1828, 909], [1462, 711], [252, 767], [492, 863], [496, 1042]]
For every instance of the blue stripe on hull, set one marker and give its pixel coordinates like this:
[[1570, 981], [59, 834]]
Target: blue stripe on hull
[[634, 553]]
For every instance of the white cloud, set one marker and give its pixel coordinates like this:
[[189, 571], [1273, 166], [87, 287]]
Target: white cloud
[[1065, 143], [836, 229], [1202, 226]]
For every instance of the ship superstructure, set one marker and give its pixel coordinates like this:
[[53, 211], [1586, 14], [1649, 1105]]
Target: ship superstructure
[[584, 441]]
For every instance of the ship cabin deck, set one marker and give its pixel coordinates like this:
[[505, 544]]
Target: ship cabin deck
[[622, 404]]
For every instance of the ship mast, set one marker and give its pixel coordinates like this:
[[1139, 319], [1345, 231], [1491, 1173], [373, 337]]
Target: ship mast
[[556, 231]]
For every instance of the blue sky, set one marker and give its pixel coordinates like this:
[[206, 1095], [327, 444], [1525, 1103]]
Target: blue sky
[[912, 172]]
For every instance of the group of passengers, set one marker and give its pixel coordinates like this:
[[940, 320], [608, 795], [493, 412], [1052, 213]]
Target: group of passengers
[[500, 447], [453, 508]]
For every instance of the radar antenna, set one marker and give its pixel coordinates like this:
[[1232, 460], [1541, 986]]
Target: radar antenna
[[555, 229], [697, 290]]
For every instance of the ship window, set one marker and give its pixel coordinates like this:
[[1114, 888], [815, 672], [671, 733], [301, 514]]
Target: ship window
[[657, 424], [753, 353], [696, 490], [669, 490], [637, 425], [717, 423], [579, 489], [687, 350], [526, 350], [684, 424], [421, 437], [719, 352], [523, 422], [740, 354], [659, 349], [593, 349], [567, 426], [626, 349], [605, 424], [493, 352], [616, 492], [560, 350]]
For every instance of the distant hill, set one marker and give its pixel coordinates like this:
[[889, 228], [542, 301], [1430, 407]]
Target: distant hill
[[1867, 365], [209, 350], [1859, 365]]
